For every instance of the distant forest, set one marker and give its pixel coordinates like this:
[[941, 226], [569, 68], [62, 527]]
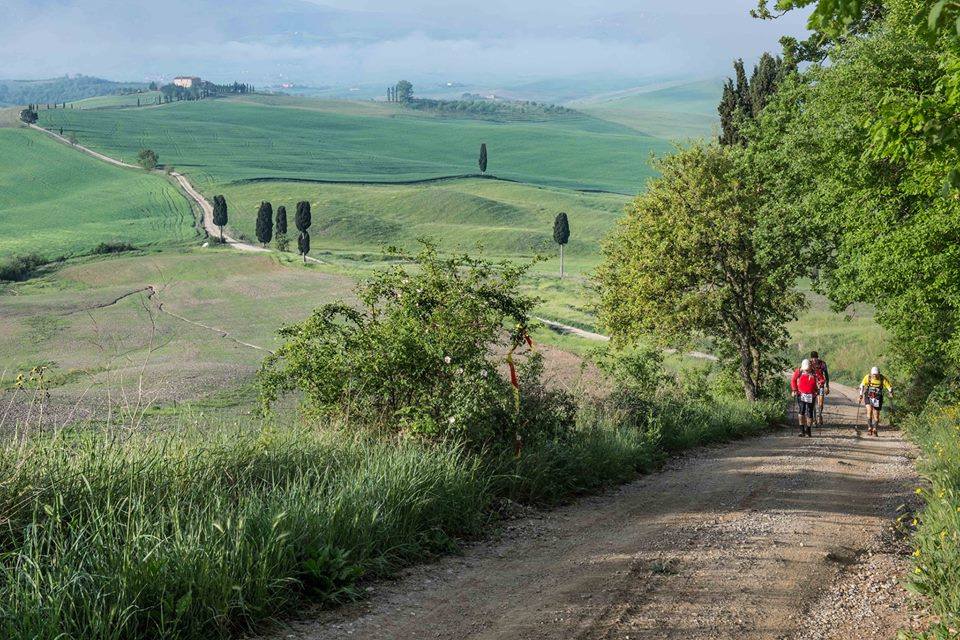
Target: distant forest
[[474, 105], [59, 90]]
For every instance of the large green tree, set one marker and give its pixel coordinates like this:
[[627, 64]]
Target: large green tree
[[403, 92], [147, 158], [702, 253], [885, 229]]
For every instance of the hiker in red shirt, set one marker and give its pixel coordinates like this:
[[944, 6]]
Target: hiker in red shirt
[[805, 387]]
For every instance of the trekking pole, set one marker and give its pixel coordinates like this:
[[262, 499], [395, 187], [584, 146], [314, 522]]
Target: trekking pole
[[856, 424]]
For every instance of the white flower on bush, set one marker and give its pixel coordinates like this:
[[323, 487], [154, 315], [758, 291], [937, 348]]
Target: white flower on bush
[[451, 419], [483, 374], [447, 359], [460, 371]]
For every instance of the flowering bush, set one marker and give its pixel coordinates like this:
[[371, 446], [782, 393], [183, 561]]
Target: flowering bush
[[416, 357]]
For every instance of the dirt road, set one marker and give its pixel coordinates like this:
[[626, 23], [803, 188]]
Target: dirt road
[[212, 230], [737, 541]]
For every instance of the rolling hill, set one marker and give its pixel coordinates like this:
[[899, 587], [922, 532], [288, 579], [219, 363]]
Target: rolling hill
[[55, 200], [676, 110], [218, 142]]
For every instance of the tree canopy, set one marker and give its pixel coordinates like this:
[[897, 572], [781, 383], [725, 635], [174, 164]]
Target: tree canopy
[[874, 184], [701, 253]]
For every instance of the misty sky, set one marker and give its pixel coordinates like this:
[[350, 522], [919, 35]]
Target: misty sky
[[371, 41]]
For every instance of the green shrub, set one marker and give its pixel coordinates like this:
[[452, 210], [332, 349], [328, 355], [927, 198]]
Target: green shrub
[[936, 557], [416, 357], [21, 267], [199, 534], [113, 247]]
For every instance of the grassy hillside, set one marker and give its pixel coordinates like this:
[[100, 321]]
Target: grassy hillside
[[679, 111], [125, 100], [56, 90], [507, 219], [220, 141], [93, 326], [55, 201]]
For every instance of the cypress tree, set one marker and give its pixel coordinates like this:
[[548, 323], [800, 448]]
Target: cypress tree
[[220, 213], [265, 223], [763, 83], [280, 230], [483, 157], [561, 234], [745, 99], [303, 221], [743, 88], [728, 111]]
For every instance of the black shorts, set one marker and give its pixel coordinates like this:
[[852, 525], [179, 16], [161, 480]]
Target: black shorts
[[867, 401], [806, 408]]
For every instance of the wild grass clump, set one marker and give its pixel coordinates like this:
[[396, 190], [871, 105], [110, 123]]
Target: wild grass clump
[[207, 532], [202, 534], [936, 557]]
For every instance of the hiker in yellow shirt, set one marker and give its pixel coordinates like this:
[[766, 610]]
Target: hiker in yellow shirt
[[871, 394]]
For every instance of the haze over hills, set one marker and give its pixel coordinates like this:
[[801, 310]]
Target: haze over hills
[[340, 42]]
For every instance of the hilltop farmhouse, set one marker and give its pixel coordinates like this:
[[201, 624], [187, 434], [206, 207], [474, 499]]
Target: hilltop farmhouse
[[187, 82]]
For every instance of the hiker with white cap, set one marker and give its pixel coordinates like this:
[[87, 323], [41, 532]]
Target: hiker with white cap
[[805, 387], [871, 394]]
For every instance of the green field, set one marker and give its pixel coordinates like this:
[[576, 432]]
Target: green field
[[677, 111], [125, 100], [217, 142], [55, 200], [506, 219]]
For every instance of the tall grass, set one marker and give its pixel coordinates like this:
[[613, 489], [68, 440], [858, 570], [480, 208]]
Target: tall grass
[[204, 533], [936, 573]]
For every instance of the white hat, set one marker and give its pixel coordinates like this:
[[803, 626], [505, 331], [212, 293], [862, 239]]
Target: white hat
[[805, 365], [875, 371]]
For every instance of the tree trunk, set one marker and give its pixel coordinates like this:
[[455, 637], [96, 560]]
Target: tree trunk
[[561, 261], [746, 372], [221, 234]]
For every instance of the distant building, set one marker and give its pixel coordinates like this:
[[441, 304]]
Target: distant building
[[187, 82]]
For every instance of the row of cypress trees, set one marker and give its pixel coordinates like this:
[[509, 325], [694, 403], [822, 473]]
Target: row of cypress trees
[[268, 228]]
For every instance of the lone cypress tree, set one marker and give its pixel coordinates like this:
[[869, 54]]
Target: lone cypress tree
[[220, 213], [303, 222], [280, 230], [561, 234], [265, 223], [483, 157]]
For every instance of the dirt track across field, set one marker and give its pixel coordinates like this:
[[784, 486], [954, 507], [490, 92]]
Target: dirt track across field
[[745, 540]]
